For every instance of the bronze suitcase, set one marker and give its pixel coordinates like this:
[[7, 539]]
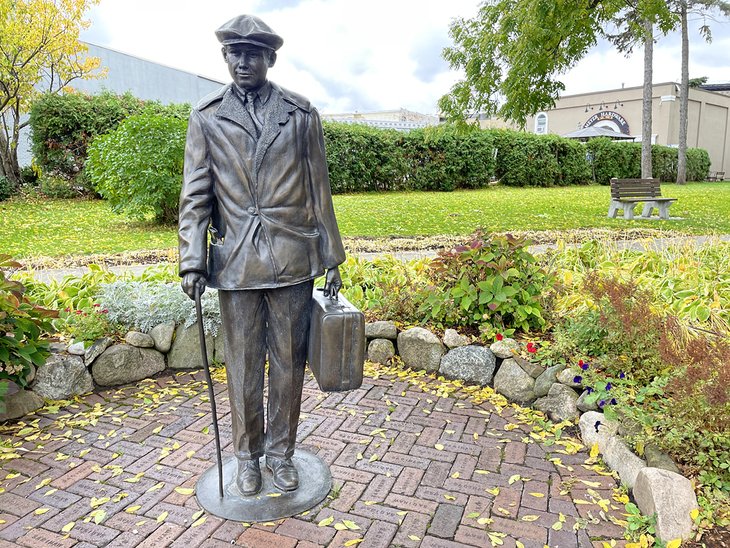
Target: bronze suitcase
[[336, 343]]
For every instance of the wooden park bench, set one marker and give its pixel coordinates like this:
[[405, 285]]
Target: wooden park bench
[[716, 176], [626, 193]]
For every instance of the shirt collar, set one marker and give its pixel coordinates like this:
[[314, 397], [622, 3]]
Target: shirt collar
[[263, 93]]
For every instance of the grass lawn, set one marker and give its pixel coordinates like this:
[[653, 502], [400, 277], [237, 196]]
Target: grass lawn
[[34, 228]]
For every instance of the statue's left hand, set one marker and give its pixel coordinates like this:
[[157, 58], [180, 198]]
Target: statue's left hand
[[333, 283]]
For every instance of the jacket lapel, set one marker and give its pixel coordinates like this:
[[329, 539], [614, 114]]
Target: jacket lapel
[[278, 114], [232, 108]]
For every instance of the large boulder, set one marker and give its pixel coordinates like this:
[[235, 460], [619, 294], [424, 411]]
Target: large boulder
[[62, 376], [531, 368], [656, 458], [420, 349], [381, 330], [185, 351], [20, 404], [514, 383], [162, 335], [381, 351], [560, 404], [546, 379], [470, 363], [123, 363], [669, 496]]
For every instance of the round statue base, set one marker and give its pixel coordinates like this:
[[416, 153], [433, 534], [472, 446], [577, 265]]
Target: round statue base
[[270, 504]]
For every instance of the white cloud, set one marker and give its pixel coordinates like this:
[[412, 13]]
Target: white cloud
[[348, 56]]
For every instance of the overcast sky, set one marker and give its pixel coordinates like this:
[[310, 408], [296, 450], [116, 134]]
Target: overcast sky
[[347, 55]]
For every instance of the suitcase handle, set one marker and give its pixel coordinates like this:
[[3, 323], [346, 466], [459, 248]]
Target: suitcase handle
[[335, 299]]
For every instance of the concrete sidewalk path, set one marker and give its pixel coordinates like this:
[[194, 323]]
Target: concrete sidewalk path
[[415, 462]]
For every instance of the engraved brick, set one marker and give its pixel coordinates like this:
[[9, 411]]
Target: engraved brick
[[476, 505], [404, 442], [471, 537], [405, 460], [93, 533], [445, 520], [377, 467], [38, 537], [57, 499], [377, 512], [164, 535], [408, 481], [440, 495], [433, 542], [508, 499], [328, 427], [536, 503], [436, 474], [16, 505], [303, 530], [508, 469], [195, 536], [349, 474], [414, 524], [431, 453], [520, 529], [379, 488], [27, 466], [490, 458], [515, 453], [21, 526], [318, 442]]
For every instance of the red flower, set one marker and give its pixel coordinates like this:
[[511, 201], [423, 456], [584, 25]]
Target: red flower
[[531, 348], [96, 304], [499, 336], [78, 312], [105, 311]]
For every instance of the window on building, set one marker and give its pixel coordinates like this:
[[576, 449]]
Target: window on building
[[541, 123]]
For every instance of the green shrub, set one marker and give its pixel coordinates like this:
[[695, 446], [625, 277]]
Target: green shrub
[[58, 186], [492, 284], [22, 326], [444, 158], [6, 188], [698, 164], [88, 325], [362, 158], [138, 166], [611, 159], [64, 125]]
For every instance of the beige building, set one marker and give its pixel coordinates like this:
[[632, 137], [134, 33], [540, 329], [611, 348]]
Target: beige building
[[401, 119], [620, 110]]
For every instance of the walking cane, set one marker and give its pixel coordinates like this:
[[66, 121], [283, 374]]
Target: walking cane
[[209, 381]]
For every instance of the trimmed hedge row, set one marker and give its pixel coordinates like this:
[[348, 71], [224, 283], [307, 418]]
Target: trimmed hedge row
[[64, 126], [363, 158]]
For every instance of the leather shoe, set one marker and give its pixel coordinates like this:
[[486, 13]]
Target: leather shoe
[[285, 474], [248, 479]]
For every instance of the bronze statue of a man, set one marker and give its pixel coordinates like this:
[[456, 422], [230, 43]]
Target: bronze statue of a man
[[256, 183]]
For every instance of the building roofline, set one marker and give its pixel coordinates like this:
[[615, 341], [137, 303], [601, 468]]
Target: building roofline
[[151, 61]]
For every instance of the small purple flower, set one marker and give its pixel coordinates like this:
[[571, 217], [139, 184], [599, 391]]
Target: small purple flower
[[577, 379], [584, 365], [596, 425], [622, 375], [613, 401], [601, 403], [589, 389], [608, 386]]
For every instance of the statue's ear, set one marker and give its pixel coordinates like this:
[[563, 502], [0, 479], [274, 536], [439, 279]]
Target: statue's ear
[[272, 58], [223, 51]]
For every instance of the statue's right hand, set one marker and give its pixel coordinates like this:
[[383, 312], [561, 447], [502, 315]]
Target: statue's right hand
[[190, 281]]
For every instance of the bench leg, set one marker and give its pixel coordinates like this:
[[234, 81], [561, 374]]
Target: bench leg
[[629, 211], [648, 208], [613, 209], [664, 210]]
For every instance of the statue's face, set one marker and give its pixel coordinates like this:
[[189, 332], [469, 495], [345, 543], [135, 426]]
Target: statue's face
[[248, 64]]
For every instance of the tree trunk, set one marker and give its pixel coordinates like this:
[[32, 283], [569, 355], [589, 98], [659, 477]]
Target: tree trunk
[[9, 167], [683, 98], [646, 123]]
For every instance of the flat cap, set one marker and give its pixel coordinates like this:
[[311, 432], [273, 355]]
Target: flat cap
[[248, 29]]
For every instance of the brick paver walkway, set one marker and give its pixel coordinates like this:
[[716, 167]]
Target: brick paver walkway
[[413, 464]]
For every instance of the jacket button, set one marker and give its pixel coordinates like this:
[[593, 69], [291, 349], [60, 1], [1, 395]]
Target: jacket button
[[252, 211]]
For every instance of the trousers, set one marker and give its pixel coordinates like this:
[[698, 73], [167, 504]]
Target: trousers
[[257, 323]]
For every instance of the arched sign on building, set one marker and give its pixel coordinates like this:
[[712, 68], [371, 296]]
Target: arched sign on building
[[609, 119]]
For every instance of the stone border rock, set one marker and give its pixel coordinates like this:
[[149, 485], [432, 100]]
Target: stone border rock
[[657, 487]]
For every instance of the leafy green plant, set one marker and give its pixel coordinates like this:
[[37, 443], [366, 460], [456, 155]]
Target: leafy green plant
[[138, 166], [639, 524], [6, 188], [22, 326], [57, 186], [88, 325], [492, 284]]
